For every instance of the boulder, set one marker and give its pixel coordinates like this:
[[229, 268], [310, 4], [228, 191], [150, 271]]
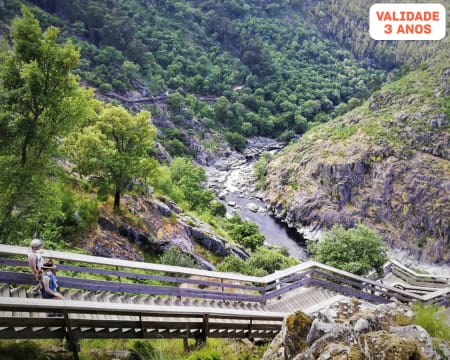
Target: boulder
[[297, 327], [275, 350], [106, 224], [419, 335], [174, 207], [163, 209], [252, 207], [208, 240], [361, 326], [356, 330], [381, 345], [319, 328]]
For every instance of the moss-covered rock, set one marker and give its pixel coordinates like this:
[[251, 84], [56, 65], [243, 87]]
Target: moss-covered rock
[[381, 345], [337, 332], [297, 329]]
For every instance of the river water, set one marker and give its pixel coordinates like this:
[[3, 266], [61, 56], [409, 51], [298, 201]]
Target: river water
[[232, 179]]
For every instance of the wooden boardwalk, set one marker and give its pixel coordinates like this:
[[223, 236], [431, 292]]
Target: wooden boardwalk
[[141, 300]]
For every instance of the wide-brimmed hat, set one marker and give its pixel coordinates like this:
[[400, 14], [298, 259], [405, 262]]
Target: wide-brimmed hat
[[36, 242], [48, 265]]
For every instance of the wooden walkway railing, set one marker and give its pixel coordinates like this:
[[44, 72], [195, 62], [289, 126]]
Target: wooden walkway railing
[[145, 278], [155, 279]]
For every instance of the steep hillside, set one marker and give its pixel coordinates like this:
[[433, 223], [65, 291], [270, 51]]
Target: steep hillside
[[264, 67], [346, 21], [385, 164]]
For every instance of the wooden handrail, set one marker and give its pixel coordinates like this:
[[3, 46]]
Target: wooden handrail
[[269, 283], [97, 260], [420, 278]]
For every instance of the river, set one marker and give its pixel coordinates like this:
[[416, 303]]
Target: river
[[232, 178]]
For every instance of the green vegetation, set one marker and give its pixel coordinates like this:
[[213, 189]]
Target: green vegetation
[[113, 150], [140, 350], [174, 256], [25, 350], [357, 250], [433, 320], [245, 232], [182, 182], [44, 114], [259, 168], [40, 101], [267, 67], [339, 19], [260, 263]]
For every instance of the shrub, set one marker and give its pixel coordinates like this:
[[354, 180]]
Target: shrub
[[270, 260], [217, 208], [234, 264], [357, 250], [25, 350], [245, 233], [236, 141], [259, 169], [141, 350], [176, 257]]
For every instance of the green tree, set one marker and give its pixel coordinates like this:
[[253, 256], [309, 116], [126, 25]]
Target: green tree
[[40, 101], [40, 98], [236, 141], [114, 149], [357, 250], [189, 179]]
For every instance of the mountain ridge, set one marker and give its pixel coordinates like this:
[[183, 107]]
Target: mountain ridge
[[385, 164]]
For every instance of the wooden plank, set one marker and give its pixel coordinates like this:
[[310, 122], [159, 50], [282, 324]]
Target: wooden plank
[[350, 292], [30, 334], [426, 277], [286, 289], [44, 305]]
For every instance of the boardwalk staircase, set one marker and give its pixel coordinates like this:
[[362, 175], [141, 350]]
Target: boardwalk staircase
[[111, 298]]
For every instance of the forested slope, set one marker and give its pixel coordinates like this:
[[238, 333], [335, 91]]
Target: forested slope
[[270, 66]]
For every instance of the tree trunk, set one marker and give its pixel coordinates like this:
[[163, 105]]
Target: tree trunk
[[23, 154], [117, 200]]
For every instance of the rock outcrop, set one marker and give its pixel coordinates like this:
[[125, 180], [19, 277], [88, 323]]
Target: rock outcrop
[[157, 225], [352, 330], [386, 164]]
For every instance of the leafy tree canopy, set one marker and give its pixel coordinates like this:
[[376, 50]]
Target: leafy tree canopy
[[357, 250], [40, 101], [113, 150]]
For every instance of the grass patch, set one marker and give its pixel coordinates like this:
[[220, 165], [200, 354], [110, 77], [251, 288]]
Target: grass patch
[[433, 320]]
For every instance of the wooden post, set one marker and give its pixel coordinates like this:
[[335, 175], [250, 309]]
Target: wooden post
[[250, 329], [201, 340], [118, 277], [143, 331], [72, 343]]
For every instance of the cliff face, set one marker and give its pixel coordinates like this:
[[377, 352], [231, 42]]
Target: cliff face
[[385, 164]]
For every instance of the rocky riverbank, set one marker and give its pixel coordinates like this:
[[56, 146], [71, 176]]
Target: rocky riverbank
[[232, 178]]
